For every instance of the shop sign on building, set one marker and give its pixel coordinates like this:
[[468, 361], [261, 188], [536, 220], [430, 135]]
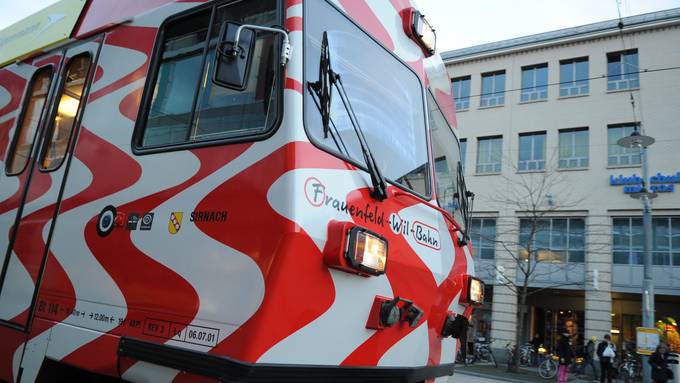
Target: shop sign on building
[[647, 340], [660, 183]]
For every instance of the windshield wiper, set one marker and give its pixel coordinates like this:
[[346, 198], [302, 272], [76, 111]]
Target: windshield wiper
[[466, 200], [323, 90]]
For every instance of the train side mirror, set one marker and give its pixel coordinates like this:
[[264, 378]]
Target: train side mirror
[[235, 53], [234, 56]]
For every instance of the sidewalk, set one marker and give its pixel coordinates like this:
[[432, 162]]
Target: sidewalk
[[501, 374]]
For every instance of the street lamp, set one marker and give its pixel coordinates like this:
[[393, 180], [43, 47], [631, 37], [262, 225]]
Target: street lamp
[[641, 142]]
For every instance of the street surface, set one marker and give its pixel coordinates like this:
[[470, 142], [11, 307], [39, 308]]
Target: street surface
[[474, 379]]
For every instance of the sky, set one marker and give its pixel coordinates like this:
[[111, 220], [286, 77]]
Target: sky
[[463, 23]]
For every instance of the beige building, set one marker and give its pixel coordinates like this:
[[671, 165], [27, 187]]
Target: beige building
[[540, 116]]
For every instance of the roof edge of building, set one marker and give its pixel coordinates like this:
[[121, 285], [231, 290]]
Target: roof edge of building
[[560, 36]]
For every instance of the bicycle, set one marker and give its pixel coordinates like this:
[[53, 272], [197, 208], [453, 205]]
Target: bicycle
[[482, 352], [547, 369], [526, 355], [630, 368]]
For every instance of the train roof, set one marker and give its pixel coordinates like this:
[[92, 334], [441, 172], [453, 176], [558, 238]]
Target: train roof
[[66, 20]]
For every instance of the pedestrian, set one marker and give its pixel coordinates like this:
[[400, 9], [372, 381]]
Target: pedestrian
[[565, 353], [659, 361], [536, 344], [590, 356], [606, 352]]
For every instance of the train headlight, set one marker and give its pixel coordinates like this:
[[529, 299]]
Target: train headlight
[[356, 250], [417, 28], [366, 251], [474, 290]]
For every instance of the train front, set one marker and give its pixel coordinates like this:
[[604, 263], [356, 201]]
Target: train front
[[378, 188]]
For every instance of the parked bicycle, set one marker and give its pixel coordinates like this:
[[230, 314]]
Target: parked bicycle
[[630, 368], [547, 369], [526, 355], [482, 352]]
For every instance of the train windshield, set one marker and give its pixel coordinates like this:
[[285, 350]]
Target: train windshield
[[446, 154], [385, 95]]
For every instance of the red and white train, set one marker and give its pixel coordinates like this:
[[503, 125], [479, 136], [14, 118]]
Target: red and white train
[[239, 190]]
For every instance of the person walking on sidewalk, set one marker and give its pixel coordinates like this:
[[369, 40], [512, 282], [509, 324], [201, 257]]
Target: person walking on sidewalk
[[565, 353], [606, 351], [659, 361], [590, 356]]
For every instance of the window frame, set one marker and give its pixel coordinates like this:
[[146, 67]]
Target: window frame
[[496, 95], [489, 138], [49, 129], [337, 154], [630, 248], [533, 151], [568, 248], [568, 85], [573, 148], [462, 144], [621, 55], [462, 99], [629, 154], [152, 77], [480, 241], [22, 116], [534, 88]]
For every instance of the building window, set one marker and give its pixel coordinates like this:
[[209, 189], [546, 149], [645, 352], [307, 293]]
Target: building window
[[553, 239], [623, 70], [489, 152], [463, 148], [461, 92], [483, 236], [618, 155], [666, 241], [534, 83], [628, 239], [493, 89], [186, 107], [573, 148], [574, 77], [531, 151]]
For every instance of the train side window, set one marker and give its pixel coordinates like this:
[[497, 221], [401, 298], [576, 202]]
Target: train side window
[[27, 124], [65, 118], [185, 106]]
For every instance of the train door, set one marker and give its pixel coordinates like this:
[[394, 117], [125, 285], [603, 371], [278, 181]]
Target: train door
[[40, 155]]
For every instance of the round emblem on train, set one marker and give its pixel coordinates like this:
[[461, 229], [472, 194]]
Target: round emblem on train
[[106, 221]]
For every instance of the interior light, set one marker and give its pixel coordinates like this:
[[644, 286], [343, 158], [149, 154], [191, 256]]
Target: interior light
[[366, 251], [614, 331], [68, 106]]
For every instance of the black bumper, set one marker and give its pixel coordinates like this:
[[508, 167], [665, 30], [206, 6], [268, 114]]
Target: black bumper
[[229, 370]]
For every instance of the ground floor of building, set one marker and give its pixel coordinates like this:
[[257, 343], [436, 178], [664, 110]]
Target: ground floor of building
[[550, 312]]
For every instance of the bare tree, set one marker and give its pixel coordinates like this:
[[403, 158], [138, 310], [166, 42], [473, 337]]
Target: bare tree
[[527, 260]]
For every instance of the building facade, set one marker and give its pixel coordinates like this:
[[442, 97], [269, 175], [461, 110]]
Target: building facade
[[539, 118]]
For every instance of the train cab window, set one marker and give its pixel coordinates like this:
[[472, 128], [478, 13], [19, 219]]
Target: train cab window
[[67, 109], [186, 107], [27, 125], [446, 153], [384, 93]]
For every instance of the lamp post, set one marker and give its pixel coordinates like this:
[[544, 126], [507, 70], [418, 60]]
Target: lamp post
[[641, 142]]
